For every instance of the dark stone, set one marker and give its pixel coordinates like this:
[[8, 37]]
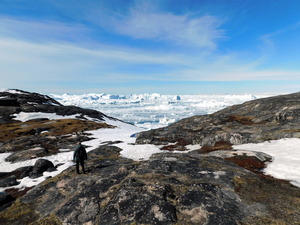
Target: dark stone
[[5, 200], [40, 166], [8, 181], [38, 120], [9, 102], [4, 174], [22, 172]]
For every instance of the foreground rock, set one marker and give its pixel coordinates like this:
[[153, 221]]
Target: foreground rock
[[170, 188], [252, 122]]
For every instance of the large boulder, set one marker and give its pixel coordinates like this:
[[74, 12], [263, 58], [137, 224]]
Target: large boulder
[[8, 181], [40, 166]]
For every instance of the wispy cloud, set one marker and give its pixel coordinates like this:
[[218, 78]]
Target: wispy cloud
[[42, 30], [184, 30], [272, 41], [23, 60]]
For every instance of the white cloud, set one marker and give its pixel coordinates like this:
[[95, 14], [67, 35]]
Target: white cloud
[[41, 31], [179, 29], [21, 60]]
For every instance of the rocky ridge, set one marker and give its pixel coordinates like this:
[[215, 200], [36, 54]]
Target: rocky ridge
[[251, 122]]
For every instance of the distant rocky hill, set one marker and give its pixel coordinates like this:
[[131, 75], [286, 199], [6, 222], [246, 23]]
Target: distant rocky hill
[[15, 101], [251, 122], [169, 188]]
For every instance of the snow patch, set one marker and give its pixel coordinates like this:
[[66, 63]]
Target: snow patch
[[286, 158], [25, 116]]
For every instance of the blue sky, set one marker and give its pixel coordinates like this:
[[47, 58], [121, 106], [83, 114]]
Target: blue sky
[[164, 46]]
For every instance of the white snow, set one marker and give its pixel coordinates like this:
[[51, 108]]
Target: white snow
[[123, 132], [12, 91], [286, 158], [25, 116]]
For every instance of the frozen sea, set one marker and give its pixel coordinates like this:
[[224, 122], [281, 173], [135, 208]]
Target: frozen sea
[[154, 110]]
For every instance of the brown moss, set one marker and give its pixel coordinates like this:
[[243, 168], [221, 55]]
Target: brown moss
[[281, 199], [174, 147], [179, 146], [16, 193], [264, 221], [53, 127], [219, 145], [250, 163], [244, 120], [18, 212], [49, 220]]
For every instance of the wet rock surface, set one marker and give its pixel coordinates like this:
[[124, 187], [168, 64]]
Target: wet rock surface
[[169, 188], [251, 122]]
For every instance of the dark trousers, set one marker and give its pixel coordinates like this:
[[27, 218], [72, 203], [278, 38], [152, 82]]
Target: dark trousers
[[81, 162]]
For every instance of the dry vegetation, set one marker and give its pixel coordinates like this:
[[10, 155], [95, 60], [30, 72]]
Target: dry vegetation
[[48, 127]]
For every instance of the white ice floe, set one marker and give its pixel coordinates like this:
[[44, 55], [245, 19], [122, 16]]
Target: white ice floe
[[286, 158], [154, 110]]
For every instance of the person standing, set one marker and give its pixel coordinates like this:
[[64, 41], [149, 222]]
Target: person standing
[[79, 156]]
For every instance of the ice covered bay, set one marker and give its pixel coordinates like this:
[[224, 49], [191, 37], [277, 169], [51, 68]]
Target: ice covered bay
[[154, 110]]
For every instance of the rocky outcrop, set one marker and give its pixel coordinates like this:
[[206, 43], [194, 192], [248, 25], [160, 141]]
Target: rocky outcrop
[[40, 137], [43, 136], [252, 122], [186, 188], [15, 101]]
